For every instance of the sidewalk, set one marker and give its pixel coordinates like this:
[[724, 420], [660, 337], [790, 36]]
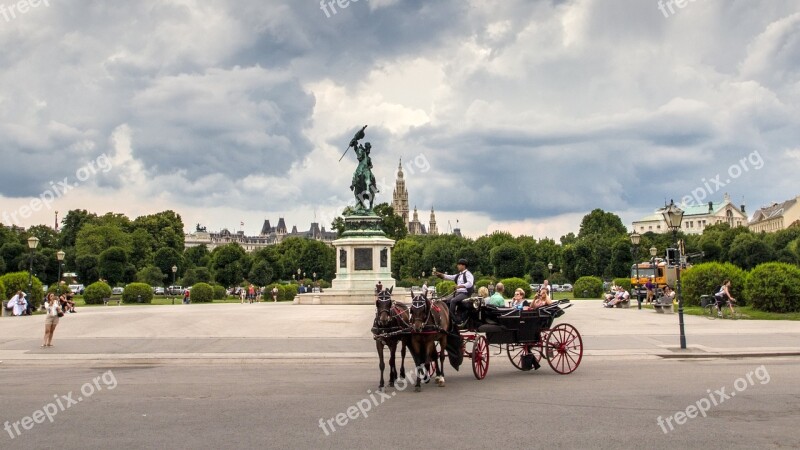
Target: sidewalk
[[269, 331]]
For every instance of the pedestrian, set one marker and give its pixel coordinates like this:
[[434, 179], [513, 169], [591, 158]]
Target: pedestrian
[[378, 288], [187, 296], [274, 294], [54, 311]]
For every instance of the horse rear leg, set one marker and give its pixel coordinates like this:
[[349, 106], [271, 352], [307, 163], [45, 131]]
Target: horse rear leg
[[402, 358], [440, 369]]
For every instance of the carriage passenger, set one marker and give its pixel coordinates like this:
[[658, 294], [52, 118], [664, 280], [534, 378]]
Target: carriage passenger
[[542, 299], [519, 301], [497, 298]]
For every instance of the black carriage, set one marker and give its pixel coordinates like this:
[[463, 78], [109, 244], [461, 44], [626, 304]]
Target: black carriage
[[528, 336]]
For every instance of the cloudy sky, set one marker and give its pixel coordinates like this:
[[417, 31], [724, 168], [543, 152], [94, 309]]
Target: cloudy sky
[[517, 115]]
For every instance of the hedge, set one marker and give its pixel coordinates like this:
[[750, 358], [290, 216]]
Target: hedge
[[705, 279], [18, 281], [483, 282], [219, 292], [96, 292], [445, 287], [134, 290], [511, 284], [201, 293], [288, 292], [624, 282], [592, 286], [774, 287]]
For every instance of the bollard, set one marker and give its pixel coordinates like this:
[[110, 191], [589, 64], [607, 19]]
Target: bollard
[[139, 299]]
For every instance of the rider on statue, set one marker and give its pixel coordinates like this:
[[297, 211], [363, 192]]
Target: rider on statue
[[363, 184]]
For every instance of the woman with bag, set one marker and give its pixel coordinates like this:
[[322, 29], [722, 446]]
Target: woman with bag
[[54, 311]]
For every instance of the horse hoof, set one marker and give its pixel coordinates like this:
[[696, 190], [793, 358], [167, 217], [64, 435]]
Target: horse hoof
[[417, 389], [380, 389], [440, 382]]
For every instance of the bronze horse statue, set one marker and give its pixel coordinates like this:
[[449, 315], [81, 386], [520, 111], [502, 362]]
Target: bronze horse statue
[[391, 320], [430, 321]]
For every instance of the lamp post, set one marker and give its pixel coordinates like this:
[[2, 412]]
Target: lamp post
[[60, 258], [33, 242], [174, 271], [673, 216], [635, 239], [550, 282], [299, 272]]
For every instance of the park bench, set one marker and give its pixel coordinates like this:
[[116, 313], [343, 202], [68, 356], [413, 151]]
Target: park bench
[[106, 300], [661, 308]]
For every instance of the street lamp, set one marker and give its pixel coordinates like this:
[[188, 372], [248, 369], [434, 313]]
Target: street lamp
[[60, 258], [33, 242], [673, 216], [635, 239], [174, 271], [550, 282]]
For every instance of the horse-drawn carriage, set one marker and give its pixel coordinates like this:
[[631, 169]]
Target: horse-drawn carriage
[[528, 335]]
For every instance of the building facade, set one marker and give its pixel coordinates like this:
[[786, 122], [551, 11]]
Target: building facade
[[269, 236], [776, 217], [696, 217]]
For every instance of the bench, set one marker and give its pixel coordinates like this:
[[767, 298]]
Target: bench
[[106, 300], [662, 305]]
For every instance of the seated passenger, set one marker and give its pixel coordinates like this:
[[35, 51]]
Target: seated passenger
[[621, 296], [542, 299], [667, 298], [519, 299], [483, 292], [497, 298]]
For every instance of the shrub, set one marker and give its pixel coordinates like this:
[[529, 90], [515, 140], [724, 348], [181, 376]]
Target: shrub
[[624, 282], [483, 282], [134, 290], [96, 292], [288, 292], [201, 293], [405, 282], [445, 287], [774, 287], [511, 285], [705, 279], [588, 287], [219, 292], [18, 281], [324, 284], [5, 298]]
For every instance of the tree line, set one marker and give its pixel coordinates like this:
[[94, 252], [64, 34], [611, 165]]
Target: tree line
[[120, 250]]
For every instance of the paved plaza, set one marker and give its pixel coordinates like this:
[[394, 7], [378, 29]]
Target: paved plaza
[[278, 376]]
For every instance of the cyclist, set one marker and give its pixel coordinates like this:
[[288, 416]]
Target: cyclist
[[724, 294]]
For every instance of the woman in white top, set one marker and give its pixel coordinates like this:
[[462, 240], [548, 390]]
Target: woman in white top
[[53, 308]]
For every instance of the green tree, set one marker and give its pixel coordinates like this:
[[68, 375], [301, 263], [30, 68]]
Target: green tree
[[94, 239], [228, 263], [407, 259], [198, 256], [72, 224], [391, 223], [142, 245], [261, 274], [166, 227], [748, 251], [508, 260], [151, 275], [112, 264], [601, 223], [167, 257], [87, 268]]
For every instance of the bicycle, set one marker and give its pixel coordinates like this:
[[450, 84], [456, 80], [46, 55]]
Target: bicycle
[[713, 309]]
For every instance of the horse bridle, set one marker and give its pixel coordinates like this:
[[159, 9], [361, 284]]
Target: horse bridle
[[394, 311]]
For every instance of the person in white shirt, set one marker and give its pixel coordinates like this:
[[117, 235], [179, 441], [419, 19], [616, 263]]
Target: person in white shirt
[[53, 308], [465, 283], [18, 304]]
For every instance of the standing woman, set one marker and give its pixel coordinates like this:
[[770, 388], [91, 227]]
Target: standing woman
[[54, 311]]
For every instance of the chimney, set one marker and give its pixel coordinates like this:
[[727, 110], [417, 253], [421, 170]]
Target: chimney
[[710, 207], [742, 208]]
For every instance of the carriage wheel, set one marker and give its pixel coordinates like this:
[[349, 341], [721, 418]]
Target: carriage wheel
[[515, 352], [480, 357], [565, 348]]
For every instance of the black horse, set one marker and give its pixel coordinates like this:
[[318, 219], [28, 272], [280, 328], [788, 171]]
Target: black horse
[[430, 321], [390, 317]]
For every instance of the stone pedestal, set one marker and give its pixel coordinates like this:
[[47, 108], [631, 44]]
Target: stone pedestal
[[363, 258]]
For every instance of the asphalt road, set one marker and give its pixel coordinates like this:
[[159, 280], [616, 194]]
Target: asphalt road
[[606, 403]]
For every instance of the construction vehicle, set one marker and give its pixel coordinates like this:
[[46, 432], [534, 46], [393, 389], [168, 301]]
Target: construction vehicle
[[661, 272]]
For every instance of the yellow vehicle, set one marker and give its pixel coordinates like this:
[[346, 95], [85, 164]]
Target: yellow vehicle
[[657, 270]]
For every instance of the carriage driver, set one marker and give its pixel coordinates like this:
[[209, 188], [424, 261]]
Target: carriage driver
[[464, 285]]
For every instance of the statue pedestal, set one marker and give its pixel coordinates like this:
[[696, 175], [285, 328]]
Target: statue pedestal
[[363, 258]]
